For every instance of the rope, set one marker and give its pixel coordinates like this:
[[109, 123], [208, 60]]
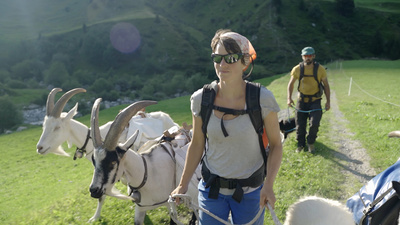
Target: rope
[[187, 200], [373, 96], [312, 110]]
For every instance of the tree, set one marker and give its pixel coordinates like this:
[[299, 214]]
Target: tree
[[10, 116], [101, 85], [377, 44], [27, 69], [57, 74], [345, 7]]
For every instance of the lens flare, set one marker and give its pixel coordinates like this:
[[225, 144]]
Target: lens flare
[[125, 37]]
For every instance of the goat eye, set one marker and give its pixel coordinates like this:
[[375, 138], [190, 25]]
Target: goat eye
[[112, 164]]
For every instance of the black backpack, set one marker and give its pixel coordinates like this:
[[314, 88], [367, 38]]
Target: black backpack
[[253, 109], [320, 91]]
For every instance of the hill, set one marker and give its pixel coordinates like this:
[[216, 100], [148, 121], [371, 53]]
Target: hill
[[69, 44]]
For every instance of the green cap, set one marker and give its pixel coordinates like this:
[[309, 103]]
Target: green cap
[[307, 51]]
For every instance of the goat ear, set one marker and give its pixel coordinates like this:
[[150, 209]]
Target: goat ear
[[72, 112], [130, 140], [120, 152]]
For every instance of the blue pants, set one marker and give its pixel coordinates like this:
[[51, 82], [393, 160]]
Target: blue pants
[[241, 213]]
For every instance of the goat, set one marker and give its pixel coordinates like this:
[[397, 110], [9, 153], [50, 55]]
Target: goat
[[394, 134], [314, 210], [150, 172], [59, 127]]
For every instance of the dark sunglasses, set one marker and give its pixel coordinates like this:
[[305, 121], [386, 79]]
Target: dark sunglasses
[[229, 58]]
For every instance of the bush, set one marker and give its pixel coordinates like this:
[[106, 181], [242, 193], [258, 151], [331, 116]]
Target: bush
[[57, 74], [101, 85], [16, 84], [10, 116]]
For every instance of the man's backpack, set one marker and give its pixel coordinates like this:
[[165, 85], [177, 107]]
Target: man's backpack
[[378, 202], [253, 109], [320, 91]]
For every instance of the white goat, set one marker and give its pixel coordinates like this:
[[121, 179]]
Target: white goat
[[150, 172], [314, 210], [60, 127]]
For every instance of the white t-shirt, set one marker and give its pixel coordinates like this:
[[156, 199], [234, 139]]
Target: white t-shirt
[[238, 155]]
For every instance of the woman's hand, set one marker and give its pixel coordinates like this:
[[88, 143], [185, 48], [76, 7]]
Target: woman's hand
[[179, 190], [267, 195]]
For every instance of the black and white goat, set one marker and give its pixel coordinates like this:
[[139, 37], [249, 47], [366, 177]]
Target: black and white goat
[[150, 172], [60, 127]]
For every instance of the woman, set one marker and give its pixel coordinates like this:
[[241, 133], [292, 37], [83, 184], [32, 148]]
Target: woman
[[238, 155]]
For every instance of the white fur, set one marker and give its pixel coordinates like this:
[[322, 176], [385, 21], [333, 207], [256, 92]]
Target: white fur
[[394, 134], [66, 129], [161, 177], [314, 210]]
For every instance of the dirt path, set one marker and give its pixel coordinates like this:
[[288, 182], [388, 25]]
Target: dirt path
[[352, 157]]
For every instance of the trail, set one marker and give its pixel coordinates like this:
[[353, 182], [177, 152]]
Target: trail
[[352, 157]]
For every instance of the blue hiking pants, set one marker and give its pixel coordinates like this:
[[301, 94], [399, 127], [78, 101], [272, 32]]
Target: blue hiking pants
[[241, 213]]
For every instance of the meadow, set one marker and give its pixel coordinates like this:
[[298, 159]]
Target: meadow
[[52, 189]]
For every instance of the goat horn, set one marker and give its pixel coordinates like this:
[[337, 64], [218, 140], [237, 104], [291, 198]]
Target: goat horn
[[94, 124], [50, 100], [56, 112], [121, 120]]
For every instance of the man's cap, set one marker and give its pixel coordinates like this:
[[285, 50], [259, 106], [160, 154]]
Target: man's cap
[[308, 51]]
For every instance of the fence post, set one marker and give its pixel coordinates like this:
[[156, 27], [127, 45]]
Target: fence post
[[351, 80]]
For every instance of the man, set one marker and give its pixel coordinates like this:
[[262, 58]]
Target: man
[[310, 75]]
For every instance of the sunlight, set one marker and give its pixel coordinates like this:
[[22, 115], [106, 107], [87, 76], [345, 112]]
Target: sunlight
[[125, 37]]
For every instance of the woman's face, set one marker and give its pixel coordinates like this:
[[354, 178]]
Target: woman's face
[[227, 71]]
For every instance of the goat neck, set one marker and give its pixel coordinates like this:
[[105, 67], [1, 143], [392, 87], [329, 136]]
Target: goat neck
[[55, 110], [121, 120]]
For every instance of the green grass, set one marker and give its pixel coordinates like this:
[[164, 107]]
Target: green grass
[[392, 6], [51, 189], [374, 103], [47, 17]]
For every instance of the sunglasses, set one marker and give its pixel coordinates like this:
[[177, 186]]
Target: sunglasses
[[229, 58], [308, 56]]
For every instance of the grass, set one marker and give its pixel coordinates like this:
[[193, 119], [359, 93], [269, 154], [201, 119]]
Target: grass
[[47, 17], [379, 5], [54, 190]]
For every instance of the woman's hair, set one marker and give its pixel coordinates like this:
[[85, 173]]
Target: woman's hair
[[229, 44]]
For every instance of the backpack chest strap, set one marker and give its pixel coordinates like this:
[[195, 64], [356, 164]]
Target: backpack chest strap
[[235, 112]]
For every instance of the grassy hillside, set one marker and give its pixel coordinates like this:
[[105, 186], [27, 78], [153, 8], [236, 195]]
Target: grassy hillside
[[54, 190]]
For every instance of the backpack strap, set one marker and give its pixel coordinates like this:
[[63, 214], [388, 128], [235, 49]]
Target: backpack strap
[[254, 109], [207, 102], [315, 75]]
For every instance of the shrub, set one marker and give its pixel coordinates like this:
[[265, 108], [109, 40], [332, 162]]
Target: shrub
[[10, 116], [16, 84]]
